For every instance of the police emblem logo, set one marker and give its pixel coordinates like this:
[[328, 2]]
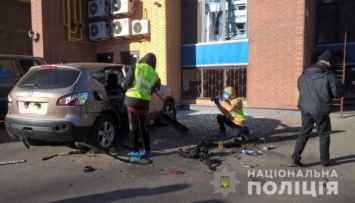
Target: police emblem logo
[[224, 182]]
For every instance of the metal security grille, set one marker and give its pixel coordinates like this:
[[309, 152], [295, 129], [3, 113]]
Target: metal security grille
[[205, 82]]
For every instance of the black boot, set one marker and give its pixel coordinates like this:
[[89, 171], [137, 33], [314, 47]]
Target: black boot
[[297, 162]]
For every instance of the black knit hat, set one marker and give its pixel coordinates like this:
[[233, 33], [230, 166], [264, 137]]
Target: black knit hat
[[149, 59], [326, 56]]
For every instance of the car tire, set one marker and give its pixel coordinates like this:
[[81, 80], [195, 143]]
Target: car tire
[[104, 132], [168, 109]]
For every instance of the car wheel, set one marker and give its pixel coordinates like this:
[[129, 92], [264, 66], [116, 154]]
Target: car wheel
[[104, 131], [169, 109]]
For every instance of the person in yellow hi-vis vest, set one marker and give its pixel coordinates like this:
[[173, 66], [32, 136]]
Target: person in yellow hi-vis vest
[[232, 115], [141, 81]]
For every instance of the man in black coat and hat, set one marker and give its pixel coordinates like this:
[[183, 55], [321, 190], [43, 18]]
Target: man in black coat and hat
[[317, 87]]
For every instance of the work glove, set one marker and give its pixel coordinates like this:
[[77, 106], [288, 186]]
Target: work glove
[[220, 98], [216, 101]]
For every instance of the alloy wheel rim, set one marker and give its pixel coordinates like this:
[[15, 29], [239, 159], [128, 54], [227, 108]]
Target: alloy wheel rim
[[169, 111], [106, 134]]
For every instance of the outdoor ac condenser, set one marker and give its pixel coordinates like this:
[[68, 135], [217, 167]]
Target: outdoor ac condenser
[[99, 30], [140, 27], [121, 27], [122, 7], [98, 9]]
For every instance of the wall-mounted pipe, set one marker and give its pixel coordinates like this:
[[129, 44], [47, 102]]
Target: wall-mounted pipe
[[78, 22], [145, 14], [67, 16]]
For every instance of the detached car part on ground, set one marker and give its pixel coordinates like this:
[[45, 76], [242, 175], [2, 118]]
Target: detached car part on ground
[[70, 102]]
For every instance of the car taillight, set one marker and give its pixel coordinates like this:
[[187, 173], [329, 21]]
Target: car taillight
[[77, 99], [9, 98]]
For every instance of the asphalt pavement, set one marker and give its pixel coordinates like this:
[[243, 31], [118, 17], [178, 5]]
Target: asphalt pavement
[[265, 176]]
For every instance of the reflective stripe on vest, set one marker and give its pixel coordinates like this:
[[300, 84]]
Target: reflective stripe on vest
[[237, 113], [141, 89]]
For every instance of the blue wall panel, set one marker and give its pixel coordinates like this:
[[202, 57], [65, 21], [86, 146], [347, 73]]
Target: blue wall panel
[[231, 53], [197, 54]]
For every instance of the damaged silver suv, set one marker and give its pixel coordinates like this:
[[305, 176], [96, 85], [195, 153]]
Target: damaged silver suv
[[74, 102]]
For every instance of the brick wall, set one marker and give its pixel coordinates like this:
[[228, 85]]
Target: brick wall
[[276, 52], [310, 31], [14, 27], [164, 40], [173, 44], [36, 17], [54, 46]]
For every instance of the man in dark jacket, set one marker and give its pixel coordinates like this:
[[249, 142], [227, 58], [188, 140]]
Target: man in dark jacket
[[141, 81], [317, 86]]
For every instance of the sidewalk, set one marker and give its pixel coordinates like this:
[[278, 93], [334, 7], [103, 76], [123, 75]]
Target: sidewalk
[[279, 129], [272, 121]]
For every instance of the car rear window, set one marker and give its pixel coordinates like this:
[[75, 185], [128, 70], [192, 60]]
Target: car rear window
[[49, 78]]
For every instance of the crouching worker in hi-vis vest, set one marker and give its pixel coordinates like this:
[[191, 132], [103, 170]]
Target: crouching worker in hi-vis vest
[[232, 115], [141, 81]]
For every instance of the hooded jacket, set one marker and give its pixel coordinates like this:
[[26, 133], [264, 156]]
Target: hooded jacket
[[317, 87], [233, 107], [136, 103]]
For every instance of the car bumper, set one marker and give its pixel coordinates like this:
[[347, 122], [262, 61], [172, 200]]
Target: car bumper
[[60, 131]]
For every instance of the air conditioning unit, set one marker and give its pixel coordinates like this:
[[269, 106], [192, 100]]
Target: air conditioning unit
[[121, 27], [140, 27], [98, 8], [124, 7], [99, 30]]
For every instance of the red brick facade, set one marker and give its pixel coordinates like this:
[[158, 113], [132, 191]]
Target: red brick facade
[[48, 20], [277, 51], [164, 40], [281, 38], [14, 28]]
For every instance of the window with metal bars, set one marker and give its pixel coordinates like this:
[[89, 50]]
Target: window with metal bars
[[206, 82]]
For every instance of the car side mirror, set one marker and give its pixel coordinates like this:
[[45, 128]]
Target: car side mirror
[[98, 96]]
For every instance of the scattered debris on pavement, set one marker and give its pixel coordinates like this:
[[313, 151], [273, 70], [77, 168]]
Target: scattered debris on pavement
[[266, 148], [156, 141], [89, 169], [249, 165], [177, 172], [252, 153], [12, 162], [49, 157], [81, 151], [200, 151]]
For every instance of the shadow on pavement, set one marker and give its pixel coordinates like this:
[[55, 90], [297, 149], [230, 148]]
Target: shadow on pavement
[[338, 161], [4, 136], [126, 194]]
